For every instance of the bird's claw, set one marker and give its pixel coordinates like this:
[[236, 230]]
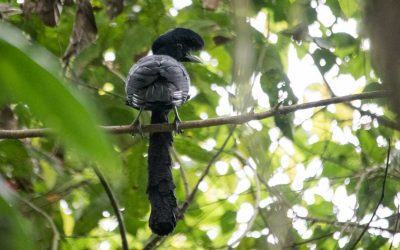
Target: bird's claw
[[277, 106], [137, 128], [177, 129], [136, 125], [177, 122]]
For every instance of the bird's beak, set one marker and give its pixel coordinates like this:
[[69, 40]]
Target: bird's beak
[[192, 58]]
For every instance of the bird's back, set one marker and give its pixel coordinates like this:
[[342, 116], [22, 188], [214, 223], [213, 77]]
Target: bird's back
[[157, 82]]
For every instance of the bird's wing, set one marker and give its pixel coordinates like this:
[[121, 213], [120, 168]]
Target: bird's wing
[[143, 73], [178, 80], [175, 73], [141, 80]]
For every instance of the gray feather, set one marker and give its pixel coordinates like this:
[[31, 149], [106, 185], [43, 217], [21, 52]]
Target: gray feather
[[157, 81]]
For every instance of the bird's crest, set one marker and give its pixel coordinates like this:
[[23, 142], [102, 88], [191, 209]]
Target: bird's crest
[[188, 38]]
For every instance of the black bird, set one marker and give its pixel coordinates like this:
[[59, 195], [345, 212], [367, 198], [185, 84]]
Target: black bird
[[160, 83]]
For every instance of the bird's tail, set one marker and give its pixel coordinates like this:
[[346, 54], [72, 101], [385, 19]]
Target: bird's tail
[[164, 209]]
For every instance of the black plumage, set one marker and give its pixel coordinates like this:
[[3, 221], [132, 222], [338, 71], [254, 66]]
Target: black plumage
[[160, 83]]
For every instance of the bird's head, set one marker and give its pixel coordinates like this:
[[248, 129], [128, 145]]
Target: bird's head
[[178, 43]]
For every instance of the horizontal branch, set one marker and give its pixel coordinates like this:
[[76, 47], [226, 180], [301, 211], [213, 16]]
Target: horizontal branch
[[343, 224], [237, 119]]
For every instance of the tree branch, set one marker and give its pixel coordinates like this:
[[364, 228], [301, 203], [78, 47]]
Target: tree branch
[[297, 244], [56, 234], [117, 211], [237, 119], [182, 171], [381, 119], [342, 224], [380, 199], [155, 240], [204, 174]]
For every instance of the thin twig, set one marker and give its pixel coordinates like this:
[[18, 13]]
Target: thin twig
[[75, 236], [237, 119], [363, 175], [205, 173], [56, 234], [97, 89], [115, 207], [328, 86], [115, 72], [380, 199], [182, 171], [341, 224], [152, 243], [156, 239], [61, 191], [381, 119], [78, 81], [296, 244]]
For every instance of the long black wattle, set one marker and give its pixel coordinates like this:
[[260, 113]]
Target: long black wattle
[[164, 209]]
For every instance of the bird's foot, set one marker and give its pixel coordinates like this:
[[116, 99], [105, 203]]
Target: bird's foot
[[177, 122], [177, 129], [277, 106], [136, 128]]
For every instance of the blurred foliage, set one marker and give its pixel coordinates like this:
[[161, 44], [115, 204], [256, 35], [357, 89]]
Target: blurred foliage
[[313, 177]]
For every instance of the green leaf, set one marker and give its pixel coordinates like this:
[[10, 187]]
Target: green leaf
[[375, 242], [24, 115], [49, 174], [246, 243], [335, 169], [357, 65], [279, 9], [13, 153], [285, 124], [133, 194], [31, 75], [343, 158], [334, 6], [323, 42], [320, 208], [14, 234], [186, 147], [368, 196], [269, 82], [324, 59], [228, 221], [89, 216], [349, 7], [131, 46], [302, 50], [276, 84], [271, 59], [285, 24], [370, 147], [343, 40], [344, 44], [373, 86]]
